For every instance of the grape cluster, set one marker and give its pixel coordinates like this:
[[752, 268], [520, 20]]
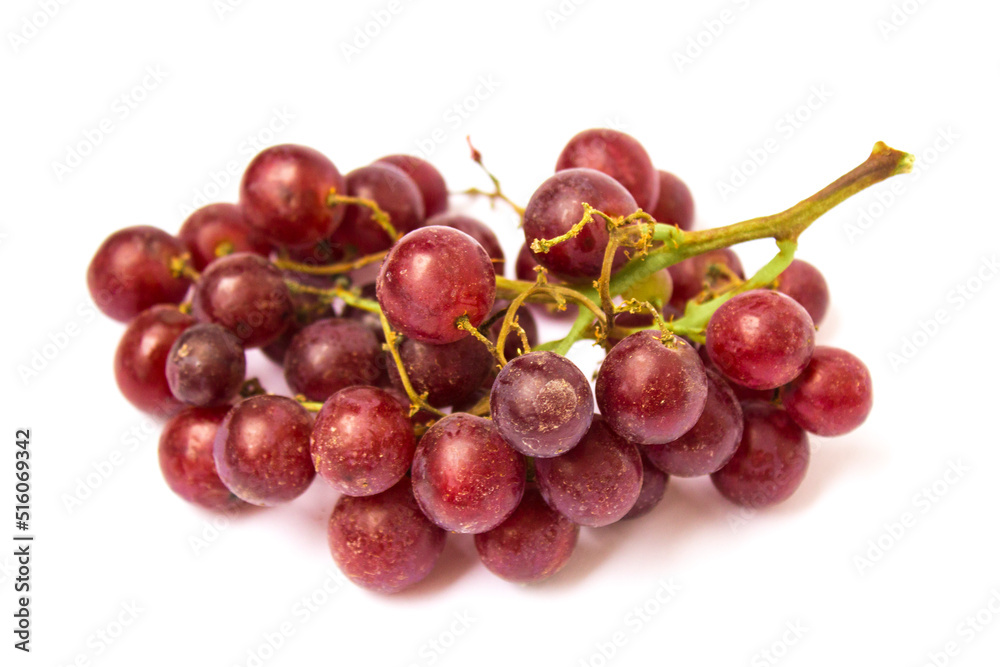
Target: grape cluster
[[406, 400]]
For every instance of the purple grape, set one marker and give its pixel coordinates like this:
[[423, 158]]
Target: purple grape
[[246, 294], [283, 195], [206, 366], [430, 278], [771, 460], [131, 272], [331, 354], [710, 442], [595, 483], [362, 441], [675, 205], [532, 544], [760, 339], [430, 181], [394, 192], [833, 396], [262, 450], [141, 359], [654, 486], [187, 462], [383, 542], [466, 479], [449, 373], [618, 155], [650, 390], [803, 282], [541, 404], [691, 276], [217, 230], [557, 205], [477, 230]]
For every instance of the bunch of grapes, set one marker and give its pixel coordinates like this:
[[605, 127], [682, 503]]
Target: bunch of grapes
[[425, 398]]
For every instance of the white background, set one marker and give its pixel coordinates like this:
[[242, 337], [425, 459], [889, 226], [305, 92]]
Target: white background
[[928, 87]]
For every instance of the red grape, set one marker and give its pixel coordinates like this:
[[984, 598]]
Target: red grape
[[618, 155], [187, 462], [465, 477], [477, 230], [771, 460], [383, 542], [430, 278], [654, 486], [557, 205], [532, 544], [760, 339], [595, 483], [541, 403], [710, 442], [675, 205], [284, 191], [262, 450], [513, 342], [131, 271], [433, 189], [246, 294], [362, 441], [394, 192], [651, 391], [803, 282], [331, 354], [206, 366], [141, 359], [217, 230], [449, 373], [832, 396]]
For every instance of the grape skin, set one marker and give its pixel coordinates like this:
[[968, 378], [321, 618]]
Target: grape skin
[[531, 545], [206, 366], [448, 373], [430, 278], [760, 339], [832, 396], [187, 462], [432, 186], [131, 272], [466, 479], [618, 155], [362, 442], [477, 230], [331, 354], [654, 486], [651, 392], [246, 294], [262, 450], [803, 282], [595, 483], [541, 403], [216, 230], [771, 460], [675, 205], [283, 195], [141, 359], [711, 442], [384, 542]]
